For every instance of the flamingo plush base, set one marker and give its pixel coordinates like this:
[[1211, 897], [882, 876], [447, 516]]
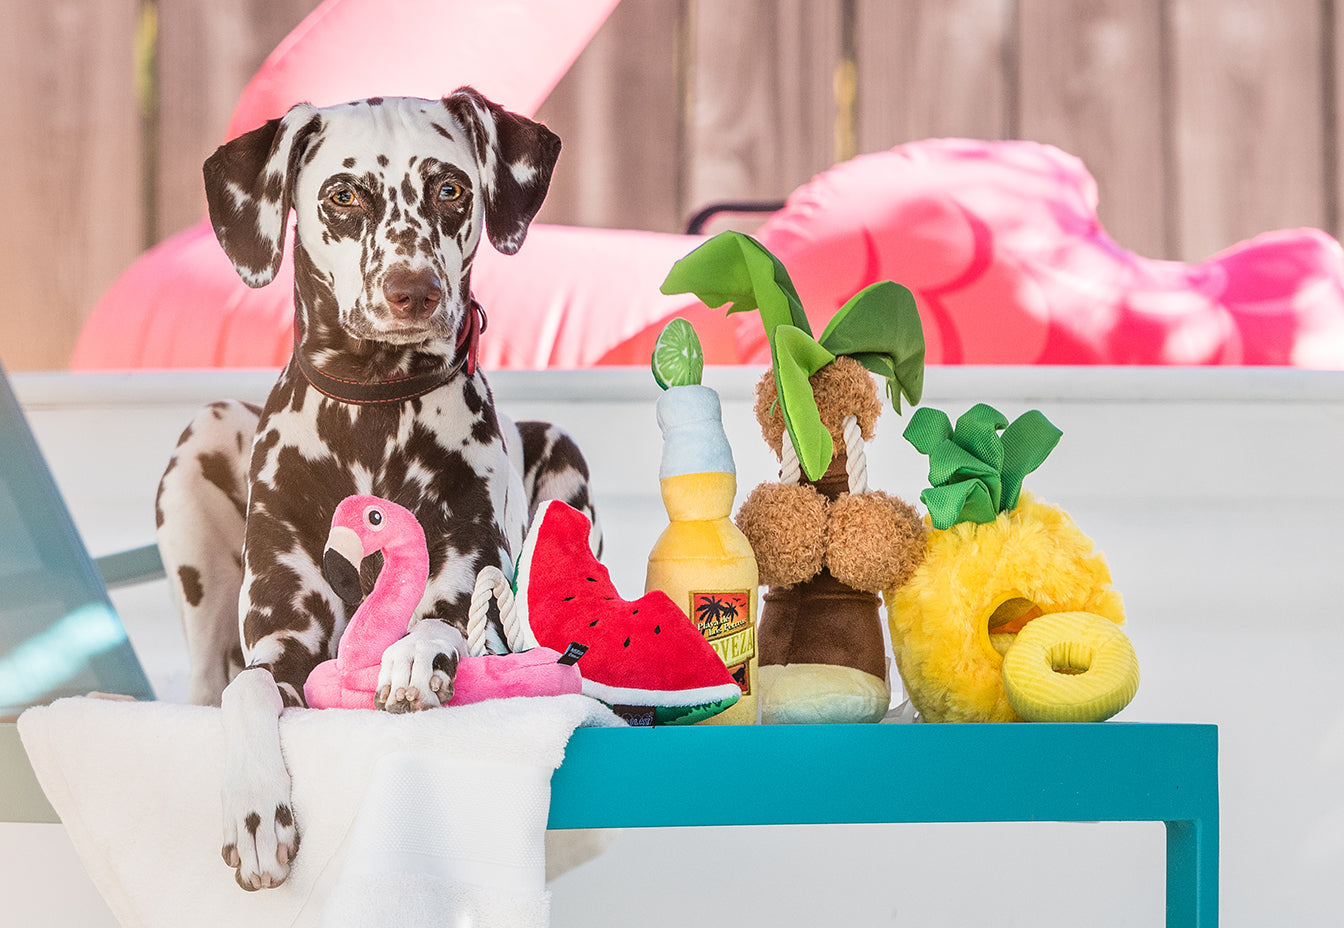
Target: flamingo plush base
[[494, 676]]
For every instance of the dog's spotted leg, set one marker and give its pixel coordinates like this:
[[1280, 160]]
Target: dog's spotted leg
[[199, 511], [418, 670], [554, 468], [260, 834]]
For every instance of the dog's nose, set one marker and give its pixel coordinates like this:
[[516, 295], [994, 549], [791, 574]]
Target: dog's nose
[[411, 295]]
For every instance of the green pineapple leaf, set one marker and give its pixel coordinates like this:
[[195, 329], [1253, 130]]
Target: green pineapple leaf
[[974, 472]]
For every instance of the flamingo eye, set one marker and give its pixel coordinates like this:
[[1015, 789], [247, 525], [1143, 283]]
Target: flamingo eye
[[374, 518]]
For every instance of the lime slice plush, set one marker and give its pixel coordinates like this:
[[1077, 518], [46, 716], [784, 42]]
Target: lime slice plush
[[678, 360]]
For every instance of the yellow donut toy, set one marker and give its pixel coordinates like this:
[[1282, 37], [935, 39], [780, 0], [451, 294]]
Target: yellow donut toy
[[998, 561], [1070, 667]]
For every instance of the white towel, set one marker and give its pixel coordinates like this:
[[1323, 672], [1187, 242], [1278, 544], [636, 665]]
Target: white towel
[[385, 840]]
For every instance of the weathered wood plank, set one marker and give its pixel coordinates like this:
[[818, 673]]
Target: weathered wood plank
[[1249, 119], [1334, 138], [1090, 82], [763, 113], [618, 113], [207, 51], [932, 69], [70, 153]]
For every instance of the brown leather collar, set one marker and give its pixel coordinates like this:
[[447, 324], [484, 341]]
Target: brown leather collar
[[399, 389]]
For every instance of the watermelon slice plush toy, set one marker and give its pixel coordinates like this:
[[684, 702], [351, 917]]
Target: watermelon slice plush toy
[[643, 654]]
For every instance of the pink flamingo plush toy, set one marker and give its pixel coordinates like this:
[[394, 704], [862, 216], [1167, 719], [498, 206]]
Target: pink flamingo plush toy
[[360, 526]]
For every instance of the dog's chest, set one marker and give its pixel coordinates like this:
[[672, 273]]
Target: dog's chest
[[440, 455]]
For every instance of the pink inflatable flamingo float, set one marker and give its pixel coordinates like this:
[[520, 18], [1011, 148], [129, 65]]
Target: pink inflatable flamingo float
[[360, 526]]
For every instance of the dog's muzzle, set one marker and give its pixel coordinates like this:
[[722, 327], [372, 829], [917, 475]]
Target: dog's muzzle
[[412, 296]]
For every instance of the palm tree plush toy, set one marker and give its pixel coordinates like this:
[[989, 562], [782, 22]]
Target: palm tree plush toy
[[825, 544]]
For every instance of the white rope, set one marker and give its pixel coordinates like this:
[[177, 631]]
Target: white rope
[[856, 457], [790, 471], [491, 583]]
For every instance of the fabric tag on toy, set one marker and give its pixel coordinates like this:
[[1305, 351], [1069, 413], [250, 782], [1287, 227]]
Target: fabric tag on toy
[[635, 716], [572, 653]]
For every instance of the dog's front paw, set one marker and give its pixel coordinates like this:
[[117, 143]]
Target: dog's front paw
[[261, 837], [260, 846], [418, 670]]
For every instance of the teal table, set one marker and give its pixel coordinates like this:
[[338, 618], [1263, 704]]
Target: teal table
[[847, 774]]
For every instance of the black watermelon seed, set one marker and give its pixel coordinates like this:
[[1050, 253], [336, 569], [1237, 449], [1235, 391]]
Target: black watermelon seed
[[627, 643], [592, 623], [567, 598], [657, 629]]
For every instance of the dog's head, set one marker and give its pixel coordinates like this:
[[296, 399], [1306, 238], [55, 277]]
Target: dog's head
[[391, 197]]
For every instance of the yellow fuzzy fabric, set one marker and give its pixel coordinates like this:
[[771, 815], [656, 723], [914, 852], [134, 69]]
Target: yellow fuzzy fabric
[[939, 619]]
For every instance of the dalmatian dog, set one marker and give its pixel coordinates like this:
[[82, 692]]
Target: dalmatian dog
[[382, 396]]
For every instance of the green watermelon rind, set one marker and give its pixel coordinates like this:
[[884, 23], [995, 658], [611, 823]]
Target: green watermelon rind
[[671, 707], [689, 715], [669, 703]]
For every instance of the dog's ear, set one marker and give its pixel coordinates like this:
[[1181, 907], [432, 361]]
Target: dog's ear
[[516, 156], [248, 186]]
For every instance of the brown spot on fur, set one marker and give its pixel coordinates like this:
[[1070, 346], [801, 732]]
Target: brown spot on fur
[[190, 579], [217, 468]]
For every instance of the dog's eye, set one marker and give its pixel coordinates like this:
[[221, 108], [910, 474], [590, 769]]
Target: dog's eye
[[344, 197], [450, 191]]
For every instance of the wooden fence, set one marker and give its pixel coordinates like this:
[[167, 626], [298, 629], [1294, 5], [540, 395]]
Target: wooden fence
[[1204, 121]]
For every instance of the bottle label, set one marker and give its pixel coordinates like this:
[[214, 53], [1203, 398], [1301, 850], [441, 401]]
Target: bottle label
[[724, 618]]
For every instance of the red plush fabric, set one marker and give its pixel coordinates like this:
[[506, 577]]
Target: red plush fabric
[[644, 652]]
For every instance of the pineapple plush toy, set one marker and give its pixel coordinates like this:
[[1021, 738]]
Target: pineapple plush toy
[[825, 544], [1012, 615]]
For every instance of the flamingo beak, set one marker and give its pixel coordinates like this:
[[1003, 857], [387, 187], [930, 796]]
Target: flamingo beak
[[340, 563]]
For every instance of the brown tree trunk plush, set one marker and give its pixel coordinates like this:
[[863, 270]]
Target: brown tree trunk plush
[[822, 657]]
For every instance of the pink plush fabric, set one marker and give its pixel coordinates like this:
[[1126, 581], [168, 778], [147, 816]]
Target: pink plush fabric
[[349, 680], [526, 673]]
